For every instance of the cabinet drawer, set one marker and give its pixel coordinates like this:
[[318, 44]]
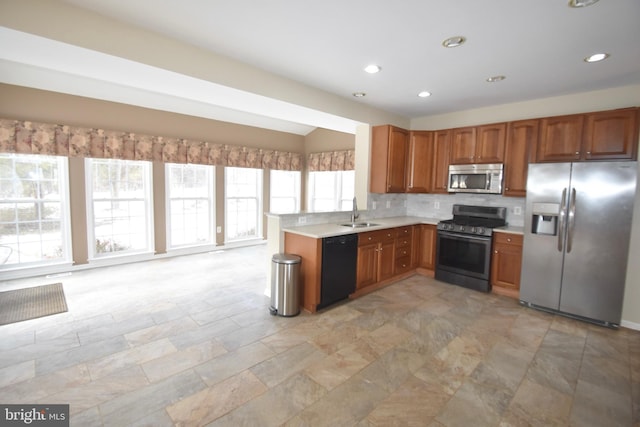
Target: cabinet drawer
[[507, 238], [403, 242], [403, 252], [404, 231], [375, 236], [403, 264]]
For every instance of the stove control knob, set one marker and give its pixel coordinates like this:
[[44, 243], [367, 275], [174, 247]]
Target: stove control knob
[[480, 230], [473, 229]]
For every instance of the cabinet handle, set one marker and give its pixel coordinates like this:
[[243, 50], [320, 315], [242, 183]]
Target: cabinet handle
[[495, 252], [577, 153], [589, 152], [508, 239]]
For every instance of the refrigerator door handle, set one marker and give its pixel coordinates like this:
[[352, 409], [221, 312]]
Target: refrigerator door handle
[[563, 214], [572, 219]]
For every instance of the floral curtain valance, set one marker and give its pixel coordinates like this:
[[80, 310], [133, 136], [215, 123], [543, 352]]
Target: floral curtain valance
[[26, 137], [331, 161]]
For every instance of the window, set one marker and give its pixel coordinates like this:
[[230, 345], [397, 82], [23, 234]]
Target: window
[[118, 207], [190, 204], [243, 207], [34, 210], [331, 191], [284, 191]]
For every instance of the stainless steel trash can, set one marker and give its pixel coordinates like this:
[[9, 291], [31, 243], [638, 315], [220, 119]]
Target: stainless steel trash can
[[285, 292]]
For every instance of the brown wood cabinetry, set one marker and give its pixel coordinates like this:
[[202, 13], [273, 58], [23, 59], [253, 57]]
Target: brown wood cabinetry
[[522, 137], [310, 249], [419, 162], [376, 258], [427, 253], [463, 145], [389, 148], [605, 135], [441, 149], [403, 250], [506, 263], [611, 135], [480, 144]]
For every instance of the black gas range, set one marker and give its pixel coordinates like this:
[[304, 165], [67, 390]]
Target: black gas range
[[463, 250]]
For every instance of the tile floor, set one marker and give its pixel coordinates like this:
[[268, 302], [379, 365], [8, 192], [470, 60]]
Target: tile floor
[[189, 341]]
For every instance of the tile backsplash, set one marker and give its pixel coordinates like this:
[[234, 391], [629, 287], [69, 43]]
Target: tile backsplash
[[438, 206]]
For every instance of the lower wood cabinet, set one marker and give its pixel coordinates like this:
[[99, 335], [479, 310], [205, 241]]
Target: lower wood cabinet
[[375, 257], [427, 247], [506, 263]]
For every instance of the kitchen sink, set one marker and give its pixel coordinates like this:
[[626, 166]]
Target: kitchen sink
[[359, 224]]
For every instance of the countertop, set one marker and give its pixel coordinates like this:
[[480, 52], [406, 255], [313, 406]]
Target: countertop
[[319, 231]]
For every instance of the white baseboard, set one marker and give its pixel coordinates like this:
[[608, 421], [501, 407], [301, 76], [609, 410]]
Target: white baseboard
[[630, 325]]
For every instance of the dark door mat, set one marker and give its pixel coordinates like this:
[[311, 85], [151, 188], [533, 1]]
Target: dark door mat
[[31, 303]]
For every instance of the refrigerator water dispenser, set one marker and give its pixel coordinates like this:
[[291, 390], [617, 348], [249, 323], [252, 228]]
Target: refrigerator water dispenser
[[545, 218]]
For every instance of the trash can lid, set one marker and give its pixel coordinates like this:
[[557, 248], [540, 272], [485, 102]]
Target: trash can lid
[[286, 259]]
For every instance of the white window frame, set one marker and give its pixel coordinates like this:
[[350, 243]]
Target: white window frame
[[258, 198], [210, 200], [148, 204], [297, 175], [65, 217], [338, 186]]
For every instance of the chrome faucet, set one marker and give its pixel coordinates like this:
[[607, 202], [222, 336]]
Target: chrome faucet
[[354, 213]]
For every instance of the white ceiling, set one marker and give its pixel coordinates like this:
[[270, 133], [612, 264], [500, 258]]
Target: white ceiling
[[538, 45]]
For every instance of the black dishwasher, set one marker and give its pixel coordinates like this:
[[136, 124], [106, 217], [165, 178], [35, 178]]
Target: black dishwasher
[[339, 258]]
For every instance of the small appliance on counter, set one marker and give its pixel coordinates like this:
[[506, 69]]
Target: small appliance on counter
[[463, 248]]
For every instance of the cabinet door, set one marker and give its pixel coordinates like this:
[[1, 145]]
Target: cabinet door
[[521, 137], [506, 261], [560, 139], [463, 145], [367, 270], [396, 167], [441, 143], [611, 135], [419, 161], [427, 253], [490, 141], [386, 260]]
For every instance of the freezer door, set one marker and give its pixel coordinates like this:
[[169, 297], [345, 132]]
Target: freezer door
[[595, 263], [541, 275]]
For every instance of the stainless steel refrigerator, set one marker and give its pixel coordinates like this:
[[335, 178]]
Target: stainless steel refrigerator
[[576, 238]]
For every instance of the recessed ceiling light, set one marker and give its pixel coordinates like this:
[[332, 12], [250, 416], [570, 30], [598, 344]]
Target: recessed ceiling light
[[454, 41], [596, 57], [372, 69], [581, 3], [424, 94], [359, 94], [494, 79]]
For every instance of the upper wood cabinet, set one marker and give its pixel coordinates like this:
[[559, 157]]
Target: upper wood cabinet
[[560, 138], [611, 135], [389, 147], [441, 149], [522, 137], [479, 144], [605, 135], [419, 161]]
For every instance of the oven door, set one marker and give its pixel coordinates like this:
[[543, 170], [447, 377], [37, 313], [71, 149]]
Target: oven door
[[464, 254]]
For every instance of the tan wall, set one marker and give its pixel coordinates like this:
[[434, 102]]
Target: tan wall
[[328, 140], [38, 105]]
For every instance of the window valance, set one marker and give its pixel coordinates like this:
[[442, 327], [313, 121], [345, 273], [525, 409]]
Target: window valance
[[27, 137], [331, 161]]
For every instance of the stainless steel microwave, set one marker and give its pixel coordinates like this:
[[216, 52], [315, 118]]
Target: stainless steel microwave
[[478, 178]]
